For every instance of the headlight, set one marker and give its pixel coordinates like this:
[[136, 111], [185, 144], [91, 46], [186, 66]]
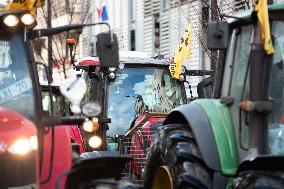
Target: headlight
[[91, 125], [95, 142], [27, 19], [11, 20], [23, 146], [91, 109], [112, 75], [33, 142], [88, 126]]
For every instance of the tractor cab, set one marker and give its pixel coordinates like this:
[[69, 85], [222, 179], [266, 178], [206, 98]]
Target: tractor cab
[[135, 96], [141, 85], [253, 81]]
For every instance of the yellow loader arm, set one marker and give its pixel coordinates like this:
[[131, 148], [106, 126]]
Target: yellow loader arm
[[29, 5]]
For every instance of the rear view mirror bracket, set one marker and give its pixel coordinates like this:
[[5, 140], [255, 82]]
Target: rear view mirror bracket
[[107, 49]]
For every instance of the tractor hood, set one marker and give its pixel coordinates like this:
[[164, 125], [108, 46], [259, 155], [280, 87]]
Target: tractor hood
[[246, 15], [10, 120]]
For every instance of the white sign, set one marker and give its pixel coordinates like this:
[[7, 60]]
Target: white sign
[[15, 90]]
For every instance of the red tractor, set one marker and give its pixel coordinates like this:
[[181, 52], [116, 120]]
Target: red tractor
[[135, 98], [28, 152]]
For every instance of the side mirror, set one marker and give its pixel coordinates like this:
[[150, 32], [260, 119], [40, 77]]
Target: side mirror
[[218, 35], [107, 49]]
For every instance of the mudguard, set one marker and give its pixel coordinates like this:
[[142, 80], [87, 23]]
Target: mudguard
[[212, 128], [85, 171], [263, 163], [98, 154], [263, 171]]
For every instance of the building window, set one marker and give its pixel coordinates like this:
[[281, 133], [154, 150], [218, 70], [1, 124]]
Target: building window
[[67, 6], [165, 4], [132, 9], [157, 35], [132, 40]]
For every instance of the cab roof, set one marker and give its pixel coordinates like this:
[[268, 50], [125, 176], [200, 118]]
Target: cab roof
[[139, 58], [247, 13], [143, 61]]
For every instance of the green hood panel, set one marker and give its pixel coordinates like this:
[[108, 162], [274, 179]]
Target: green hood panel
[[220, 120]]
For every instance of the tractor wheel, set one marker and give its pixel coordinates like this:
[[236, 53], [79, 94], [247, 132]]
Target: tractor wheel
[[259, 180], [111, 184], [174, 161]]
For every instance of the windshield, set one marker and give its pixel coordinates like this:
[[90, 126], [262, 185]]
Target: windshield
[[139, 90], [15, 81], [276, 93]]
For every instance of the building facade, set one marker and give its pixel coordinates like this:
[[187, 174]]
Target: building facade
[[62, 13], [155, 27], [151, 26]]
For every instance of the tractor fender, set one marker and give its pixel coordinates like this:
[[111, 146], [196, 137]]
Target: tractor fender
[[213, 132], [262, 163], [201, 129], [262, 171]]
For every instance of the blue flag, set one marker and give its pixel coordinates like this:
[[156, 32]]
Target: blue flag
[[104, 14]]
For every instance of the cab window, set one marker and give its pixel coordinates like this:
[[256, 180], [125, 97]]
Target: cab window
[[16, 86], [239, 82], [276, 92]]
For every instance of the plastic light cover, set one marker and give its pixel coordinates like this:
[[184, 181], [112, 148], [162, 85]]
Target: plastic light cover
[[23, 146], [95, 142], [11, 20], [27, 19]]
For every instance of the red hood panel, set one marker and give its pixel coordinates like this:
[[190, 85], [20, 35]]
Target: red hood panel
[[10, 120]]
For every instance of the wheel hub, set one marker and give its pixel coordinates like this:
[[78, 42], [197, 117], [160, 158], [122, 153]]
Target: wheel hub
[[162, 178]]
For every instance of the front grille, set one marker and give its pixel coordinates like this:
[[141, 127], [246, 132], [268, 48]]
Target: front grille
[[135, 144], [136, 149], [17, 170]]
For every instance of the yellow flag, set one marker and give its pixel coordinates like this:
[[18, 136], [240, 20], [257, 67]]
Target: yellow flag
[[262, 14], [182, 52], [40, 3]]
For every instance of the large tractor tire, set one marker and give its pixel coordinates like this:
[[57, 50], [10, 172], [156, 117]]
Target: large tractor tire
[[174, 161], [111, 184]]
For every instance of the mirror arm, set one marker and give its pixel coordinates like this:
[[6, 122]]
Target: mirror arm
[[52, 31], [199, 72], [62, 121], [104, 120], [71, 120], [229, 16]]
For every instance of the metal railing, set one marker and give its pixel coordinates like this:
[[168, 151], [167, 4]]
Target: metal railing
[[135, 144]]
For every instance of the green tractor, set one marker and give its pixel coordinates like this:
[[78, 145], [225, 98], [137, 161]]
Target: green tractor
[[236, 139]]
